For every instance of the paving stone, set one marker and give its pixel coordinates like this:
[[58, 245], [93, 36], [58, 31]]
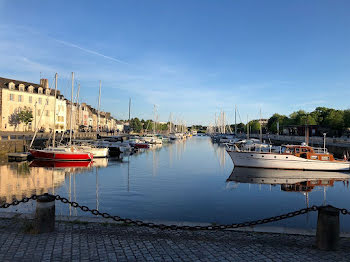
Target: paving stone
[[97, 242]]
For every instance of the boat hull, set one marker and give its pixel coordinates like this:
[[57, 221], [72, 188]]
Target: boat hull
[[280, 161], [61, 156]]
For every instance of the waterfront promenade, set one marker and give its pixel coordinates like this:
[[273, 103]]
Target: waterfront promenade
[[82, 241]]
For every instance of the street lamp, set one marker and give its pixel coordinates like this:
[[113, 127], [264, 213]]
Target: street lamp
[[324, 142]]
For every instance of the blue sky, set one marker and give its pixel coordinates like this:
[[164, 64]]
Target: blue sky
[[191, 58]]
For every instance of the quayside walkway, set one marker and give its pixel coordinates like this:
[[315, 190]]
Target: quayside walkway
[[82, 241]]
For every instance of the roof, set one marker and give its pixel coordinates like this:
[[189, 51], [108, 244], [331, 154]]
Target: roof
[[5, 81]]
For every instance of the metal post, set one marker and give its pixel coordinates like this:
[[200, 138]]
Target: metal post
[[327, 235], [45, 214]]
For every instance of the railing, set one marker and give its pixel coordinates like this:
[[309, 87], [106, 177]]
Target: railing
[[327, 235]]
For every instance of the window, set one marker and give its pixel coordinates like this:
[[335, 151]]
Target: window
[[20, 98], [12, 86], [47, 101], [12, 97], [325, 158], [40, 101], [47, 113], [39, 112], [47, 91], [31, 89], [40, 90], [21, 87], [30, 99]]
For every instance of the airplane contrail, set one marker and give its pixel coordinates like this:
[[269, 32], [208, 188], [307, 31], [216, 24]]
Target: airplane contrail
[[91, 51]]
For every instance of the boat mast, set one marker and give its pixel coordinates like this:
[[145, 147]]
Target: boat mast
[[247, 128], [154, 119], [129, 108], [260, 127], [223, 122], [78, 106], [54, 114], [235, 119], [98, 112], [71, 112]]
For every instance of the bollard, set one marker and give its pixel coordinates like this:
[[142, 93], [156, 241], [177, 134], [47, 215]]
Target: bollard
[[327, 235], [45, 214]]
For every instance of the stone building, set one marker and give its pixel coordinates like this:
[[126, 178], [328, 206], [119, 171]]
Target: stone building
[[18, 95]]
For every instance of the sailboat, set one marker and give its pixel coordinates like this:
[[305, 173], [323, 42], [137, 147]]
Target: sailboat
[[62, 153]]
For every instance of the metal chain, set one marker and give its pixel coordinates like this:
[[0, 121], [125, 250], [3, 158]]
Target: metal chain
[[176, 227], [172, 227]]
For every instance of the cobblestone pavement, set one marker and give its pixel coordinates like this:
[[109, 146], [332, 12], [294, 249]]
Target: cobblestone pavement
[[110, 242]]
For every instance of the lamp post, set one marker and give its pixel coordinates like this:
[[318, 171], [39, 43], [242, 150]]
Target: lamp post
[[324, 142]]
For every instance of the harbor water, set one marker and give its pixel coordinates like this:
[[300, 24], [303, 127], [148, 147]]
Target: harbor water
[[189, 180]]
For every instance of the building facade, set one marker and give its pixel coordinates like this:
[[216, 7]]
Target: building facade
[[39, 99], [16, 96]]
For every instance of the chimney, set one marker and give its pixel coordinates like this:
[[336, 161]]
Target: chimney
[[44, 83]]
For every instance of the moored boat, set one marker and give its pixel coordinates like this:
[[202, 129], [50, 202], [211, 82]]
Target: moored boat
[[61, 154], [298, 157]]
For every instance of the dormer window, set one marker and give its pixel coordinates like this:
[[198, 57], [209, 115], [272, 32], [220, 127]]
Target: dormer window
[[40, 90], [12, 86], [21, 87], [31, 89], [47, 91]]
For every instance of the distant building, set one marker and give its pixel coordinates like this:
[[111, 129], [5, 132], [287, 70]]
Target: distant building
[[17, 95]]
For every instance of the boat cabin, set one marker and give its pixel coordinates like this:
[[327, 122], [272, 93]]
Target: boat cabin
[[308, 152]]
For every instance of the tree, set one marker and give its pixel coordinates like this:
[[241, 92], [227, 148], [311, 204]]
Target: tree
[[25, 116], [254, 126], [276, 118], [21, 115], [135, 125], [335, 120], [347, 118]]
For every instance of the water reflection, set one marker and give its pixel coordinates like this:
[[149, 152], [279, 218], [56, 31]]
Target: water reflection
[[18, 180], [288, 180]]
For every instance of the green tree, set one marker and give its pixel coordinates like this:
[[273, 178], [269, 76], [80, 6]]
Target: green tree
[[254, 126], [277, 118], [136, 125], [335, 120], [21, 115], [347, 118]]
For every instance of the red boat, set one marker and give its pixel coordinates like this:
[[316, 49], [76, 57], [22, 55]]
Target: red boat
[[141, 145], [60, 164], [61, 154]]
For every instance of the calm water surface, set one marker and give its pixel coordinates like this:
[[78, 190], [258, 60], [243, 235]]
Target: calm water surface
[[190, 180]]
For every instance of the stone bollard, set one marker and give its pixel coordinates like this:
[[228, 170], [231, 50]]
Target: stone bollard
[[327, 235], [44, 221]]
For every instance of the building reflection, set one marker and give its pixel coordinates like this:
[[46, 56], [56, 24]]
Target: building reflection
[[18, 180]]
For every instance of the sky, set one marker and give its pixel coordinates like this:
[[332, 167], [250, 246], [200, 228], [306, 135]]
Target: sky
[[189, 58]]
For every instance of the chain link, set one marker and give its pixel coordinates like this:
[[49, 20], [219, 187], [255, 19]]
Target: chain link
[[129, 221]]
